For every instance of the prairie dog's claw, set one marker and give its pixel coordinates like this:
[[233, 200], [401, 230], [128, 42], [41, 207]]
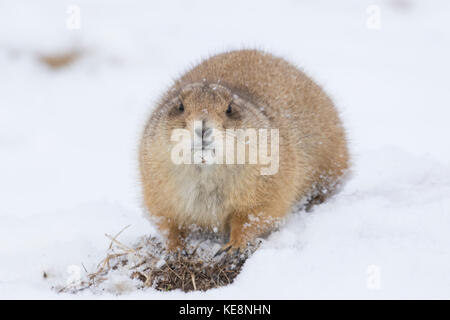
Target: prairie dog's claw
[[225, 248], [230, 250], [235, 253]]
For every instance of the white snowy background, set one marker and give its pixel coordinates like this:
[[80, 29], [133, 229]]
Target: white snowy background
[[68, 139]]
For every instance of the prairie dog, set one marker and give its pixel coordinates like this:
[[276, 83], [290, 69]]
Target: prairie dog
[[240, 90]]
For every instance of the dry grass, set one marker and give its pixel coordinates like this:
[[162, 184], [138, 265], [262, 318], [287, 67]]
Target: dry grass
[[147, 264]]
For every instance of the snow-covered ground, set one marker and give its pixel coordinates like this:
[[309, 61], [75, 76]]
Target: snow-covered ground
[[68, 139]]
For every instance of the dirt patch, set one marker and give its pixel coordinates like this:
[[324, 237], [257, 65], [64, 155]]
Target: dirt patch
[[147, 264], [61, 59]]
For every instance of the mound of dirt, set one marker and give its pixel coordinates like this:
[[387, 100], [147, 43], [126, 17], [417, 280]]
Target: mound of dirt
[[147, 264]]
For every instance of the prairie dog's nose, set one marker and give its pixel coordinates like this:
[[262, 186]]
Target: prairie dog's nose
[[199, 131], [203, 131], [207, 132]]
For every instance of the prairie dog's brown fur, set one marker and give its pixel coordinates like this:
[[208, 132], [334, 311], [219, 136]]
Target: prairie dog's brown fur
[[267, 92]]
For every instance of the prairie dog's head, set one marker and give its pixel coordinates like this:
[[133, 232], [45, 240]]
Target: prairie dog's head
[[214, 105], [199, 111]]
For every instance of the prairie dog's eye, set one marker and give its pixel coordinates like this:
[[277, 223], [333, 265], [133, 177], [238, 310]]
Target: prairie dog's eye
[[229, 110], [176, 110], [233, 112]]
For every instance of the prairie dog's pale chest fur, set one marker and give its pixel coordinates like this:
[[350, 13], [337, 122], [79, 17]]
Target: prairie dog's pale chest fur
[[201, 197]]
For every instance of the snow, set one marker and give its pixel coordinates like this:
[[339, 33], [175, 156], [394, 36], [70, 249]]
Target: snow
[[68, 141]]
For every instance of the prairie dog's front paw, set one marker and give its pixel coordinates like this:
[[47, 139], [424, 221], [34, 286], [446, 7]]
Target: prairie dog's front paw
[[232, 248], [174, 245]]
